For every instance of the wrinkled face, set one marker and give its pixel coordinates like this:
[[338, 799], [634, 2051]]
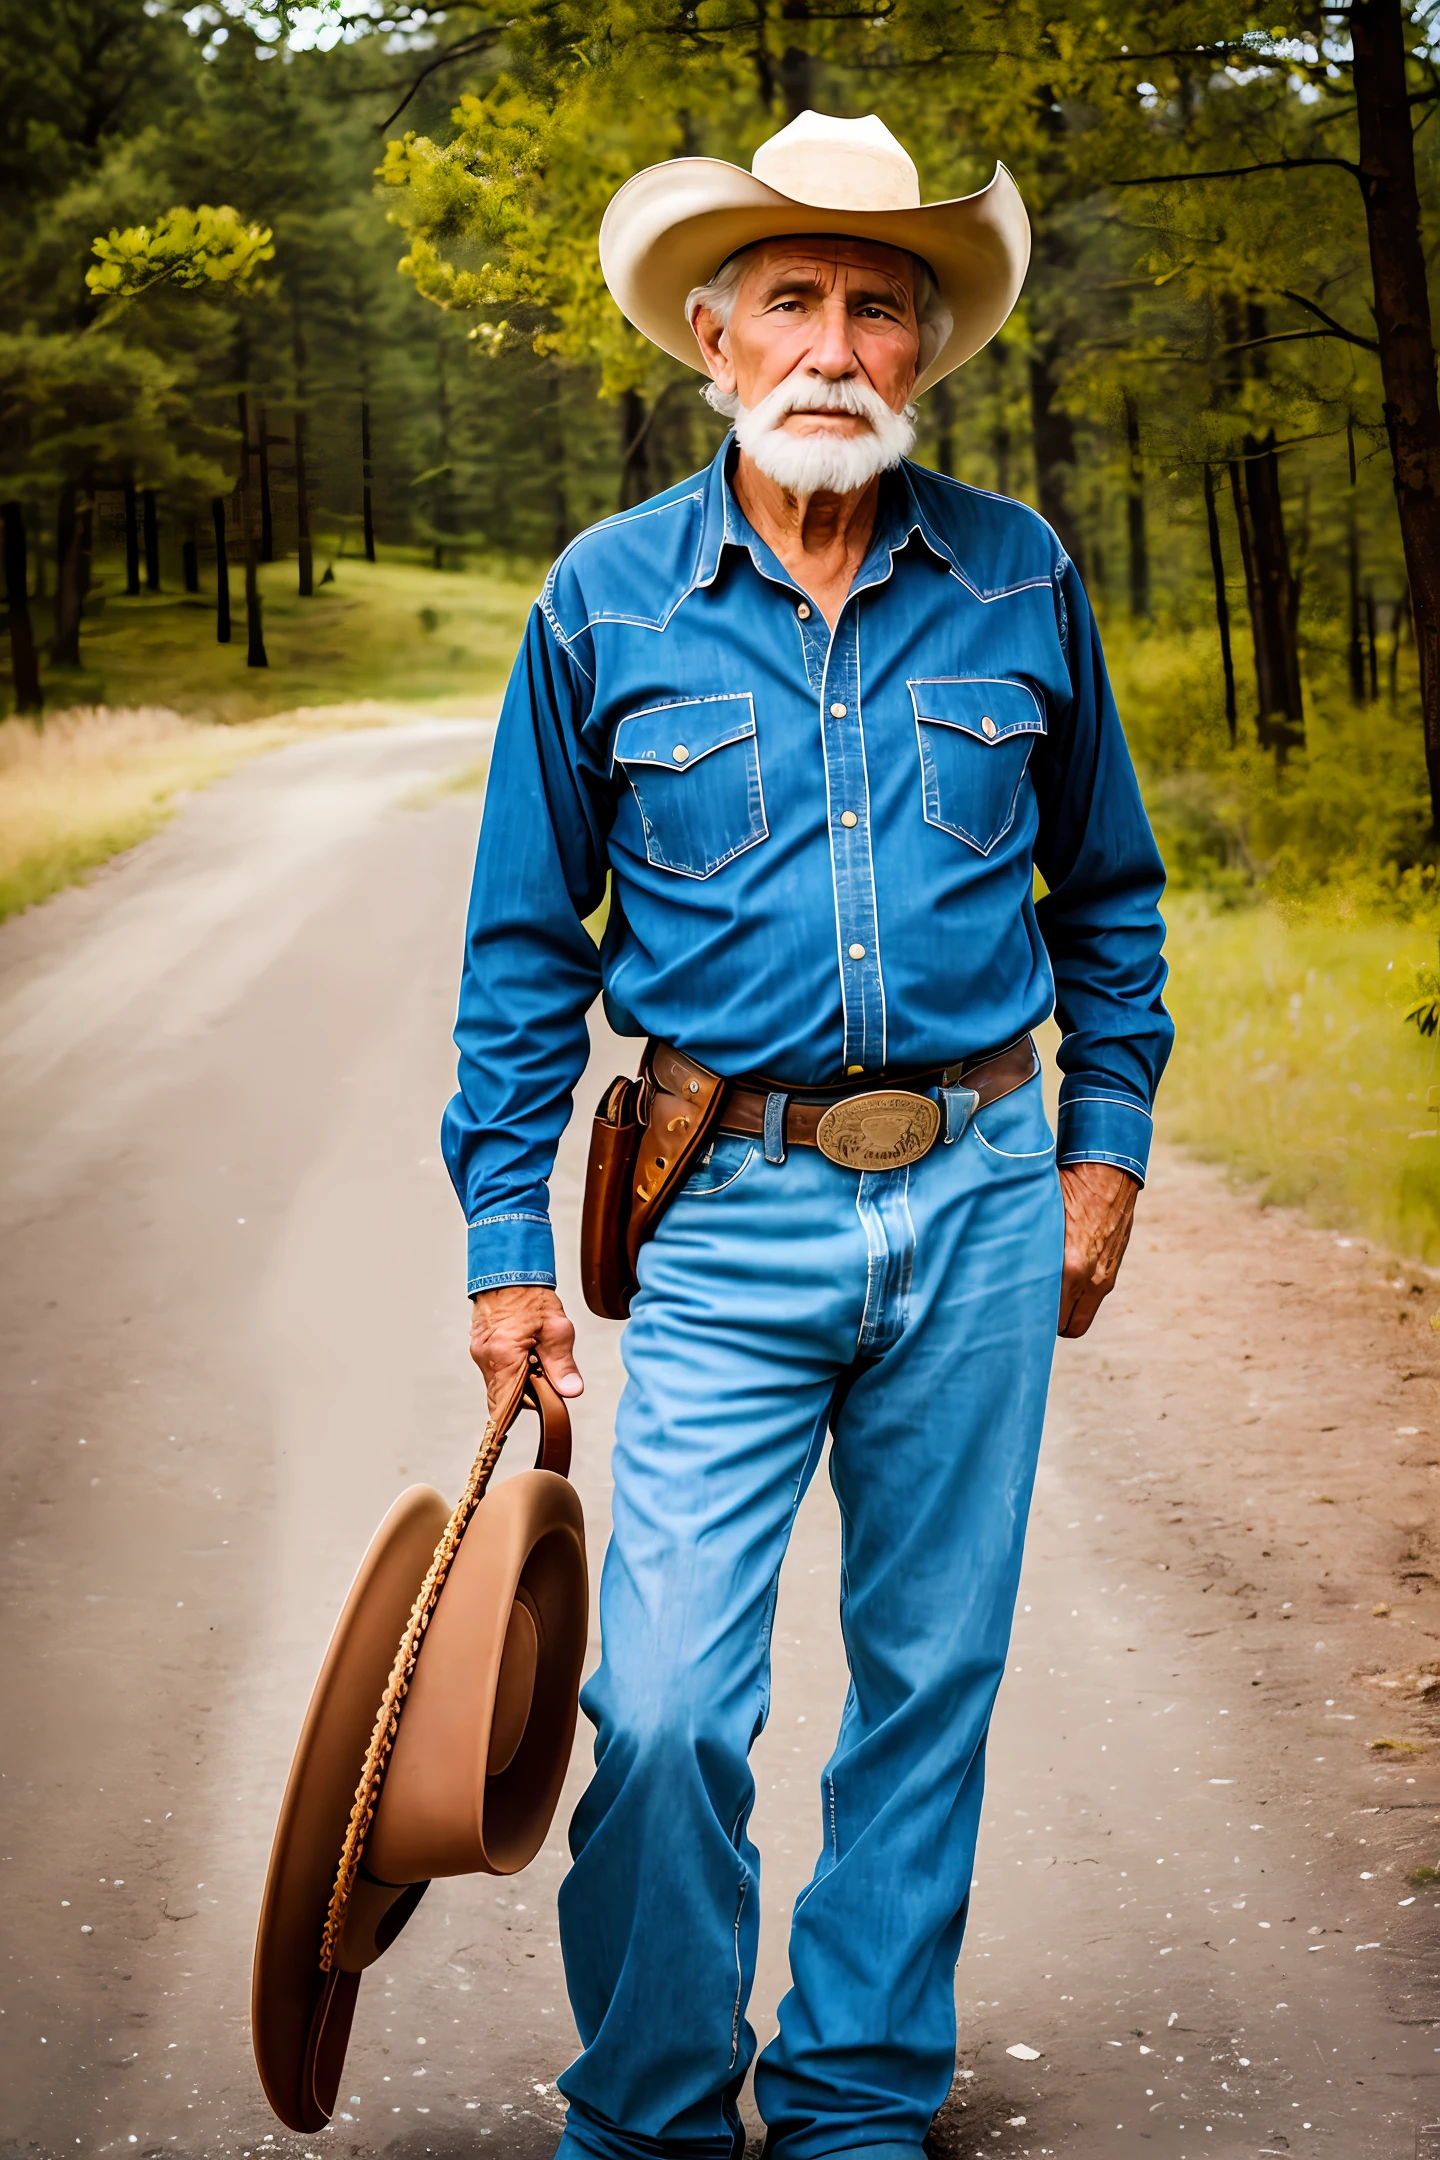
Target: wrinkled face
[[829, 310]]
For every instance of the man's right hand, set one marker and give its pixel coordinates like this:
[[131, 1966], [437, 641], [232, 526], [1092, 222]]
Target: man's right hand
[[506, 1325]]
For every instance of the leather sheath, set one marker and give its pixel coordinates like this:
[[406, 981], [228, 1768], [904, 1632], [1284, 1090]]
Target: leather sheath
[[648, 1133], [645, 1138]]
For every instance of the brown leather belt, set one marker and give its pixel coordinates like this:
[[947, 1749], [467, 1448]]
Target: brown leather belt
[[872, 1124]]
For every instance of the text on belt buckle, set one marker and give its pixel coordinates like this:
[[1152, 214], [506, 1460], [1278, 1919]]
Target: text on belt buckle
[[879, 1131]]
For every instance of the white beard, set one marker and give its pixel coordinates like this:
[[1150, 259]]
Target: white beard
[[807, 465]]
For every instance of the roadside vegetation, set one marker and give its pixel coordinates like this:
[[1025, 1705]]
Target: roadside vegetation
[[158, 711], [394, 630], [306, 367]]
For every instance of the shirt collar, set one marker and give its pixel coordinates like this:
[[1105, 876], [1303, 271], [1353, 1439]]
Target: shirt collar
[[724, 524]]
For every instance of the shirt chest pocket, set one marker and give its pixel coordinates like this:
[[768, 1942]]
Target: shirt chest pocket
[[976, 734], [694, 768]]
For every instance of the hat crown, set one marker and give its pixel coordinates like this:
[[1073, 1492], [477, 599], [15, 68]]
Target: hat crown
[[839, 164]]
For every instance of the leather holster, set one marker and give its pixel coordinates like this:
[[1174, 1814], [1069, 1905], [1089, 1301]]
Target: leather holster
[[643, 1144]]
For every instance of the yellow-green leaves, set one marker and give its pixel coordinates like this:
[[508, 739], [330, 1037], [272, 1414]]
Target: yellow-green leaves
[[502, 222], [183, 247], [474, 207]]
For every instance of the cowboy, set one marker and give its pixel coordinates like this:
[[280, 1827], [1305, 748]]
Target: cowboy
[[818, 715]]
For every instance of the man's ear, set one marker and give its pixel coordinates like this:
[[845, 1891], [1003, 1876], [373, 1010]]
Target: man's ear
[[714, 349]]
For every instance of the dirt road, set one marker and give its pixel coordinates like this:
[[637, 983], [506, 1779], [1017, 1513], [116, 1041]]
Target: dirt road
[[231, 1327]]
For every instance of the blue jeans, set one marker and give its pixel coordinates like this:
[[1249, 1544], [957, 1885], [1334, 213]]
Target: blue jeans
[[912, 1312]]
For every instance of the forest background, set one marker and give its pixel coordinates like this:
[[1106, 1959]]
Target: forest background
[[307, 370]]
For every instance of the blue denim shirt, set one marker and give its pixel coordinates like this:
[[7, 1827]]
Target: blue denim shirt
[[822, 846]]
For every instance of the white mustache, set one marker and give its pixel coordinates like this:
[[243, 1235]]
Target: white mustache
[[823, 464], [813, 393]]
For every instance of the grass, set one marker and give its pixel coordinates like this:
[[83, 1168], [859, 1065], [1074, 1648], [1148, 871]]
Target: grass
[[94, 782], [1293, 949], [1293, 1067], [391, 630], [160, 709]]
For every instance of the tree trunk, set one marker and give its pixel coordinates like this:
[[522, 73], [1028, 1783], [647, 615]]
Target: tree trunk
[[152, 541], [35, 534], [556, 447], [222, 572], [1402, 329], [87, 535], [1139, 554], [255, 654], [302, 514], [1372, 644], [1273, 601], [942, 405], [1355, 647], [132, 543], [1001, 442], [367, 479], [302, 497], [65, 645], [267, 514], [1222, 604], [1055, 458], [24, 668], [797, 66], [440, 502], [635, 450]]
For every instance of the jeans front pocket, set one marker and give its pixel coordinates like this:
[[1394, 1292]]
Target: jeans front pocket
[[694, 769], [1016, 1128], [722, 1162], [975, 734]]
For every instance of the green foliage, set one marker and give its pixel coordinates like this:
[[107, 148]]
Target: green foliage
[[79, 402], [1424, 1010], [1347, 812], [185, 248], [1291, 1065], [363, 636]]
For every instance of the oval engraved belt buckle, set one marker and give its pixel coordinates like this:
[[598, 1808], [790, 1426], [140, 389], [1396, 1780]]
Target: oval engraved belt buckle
[[878, 1132]]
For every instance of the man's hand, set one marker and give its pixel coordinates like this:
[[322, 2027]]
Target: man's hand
[[506, 1325], [1099, 1211]]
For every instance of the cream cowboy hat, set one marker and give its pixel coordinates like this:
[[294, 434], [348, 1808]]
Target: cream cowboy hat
[[671, 227]]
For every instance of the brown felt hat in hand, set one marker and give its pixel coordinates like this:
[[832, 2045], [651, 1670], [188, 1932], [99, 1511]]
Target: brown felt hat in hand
[[411, 1766]]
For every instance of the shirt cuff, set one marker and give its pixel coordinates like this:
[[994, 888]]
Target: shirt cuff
[[517, 1247], [1105, 1128]]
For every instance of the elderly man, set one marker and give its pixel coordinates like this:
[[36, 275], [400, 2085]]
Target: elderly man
[[818, 714]]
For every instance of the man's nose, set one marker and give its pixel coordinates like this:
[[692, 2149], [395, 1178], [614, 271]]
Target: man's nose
[[832, 354]]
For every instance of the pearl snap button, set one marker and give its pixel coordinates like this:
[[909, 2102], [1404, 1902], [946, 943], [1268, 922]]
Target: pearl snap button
[[803, 611], [857, 952], [848, 817], [680, 753], [837, 712], [988, 726]]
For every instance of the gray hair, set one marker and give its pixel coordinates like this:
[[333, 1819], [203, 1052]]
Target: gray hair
[[719, 296]]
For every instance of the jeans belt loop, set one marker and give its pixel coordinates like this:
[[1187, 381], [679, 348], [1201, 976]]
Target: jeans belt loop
[[960, 1105], [776, 1104]]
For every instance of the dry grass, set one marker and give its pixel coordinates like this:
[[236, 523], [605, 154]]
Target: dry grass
[[94, 781], [1293, 1064]]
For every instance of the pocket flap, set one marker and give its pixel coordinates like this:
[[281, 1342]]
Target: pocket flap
[[678, 735], [988, 707]]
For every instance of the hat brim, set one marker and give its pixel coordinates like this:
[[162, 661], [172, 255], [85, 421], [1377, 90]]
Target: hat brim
[[296, 2049], [670, 228]]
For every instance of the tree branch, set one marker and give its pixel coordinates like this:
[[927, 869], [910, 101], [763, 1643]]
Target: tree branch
[[1351, 337], [475, 43], [1239, 172]]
